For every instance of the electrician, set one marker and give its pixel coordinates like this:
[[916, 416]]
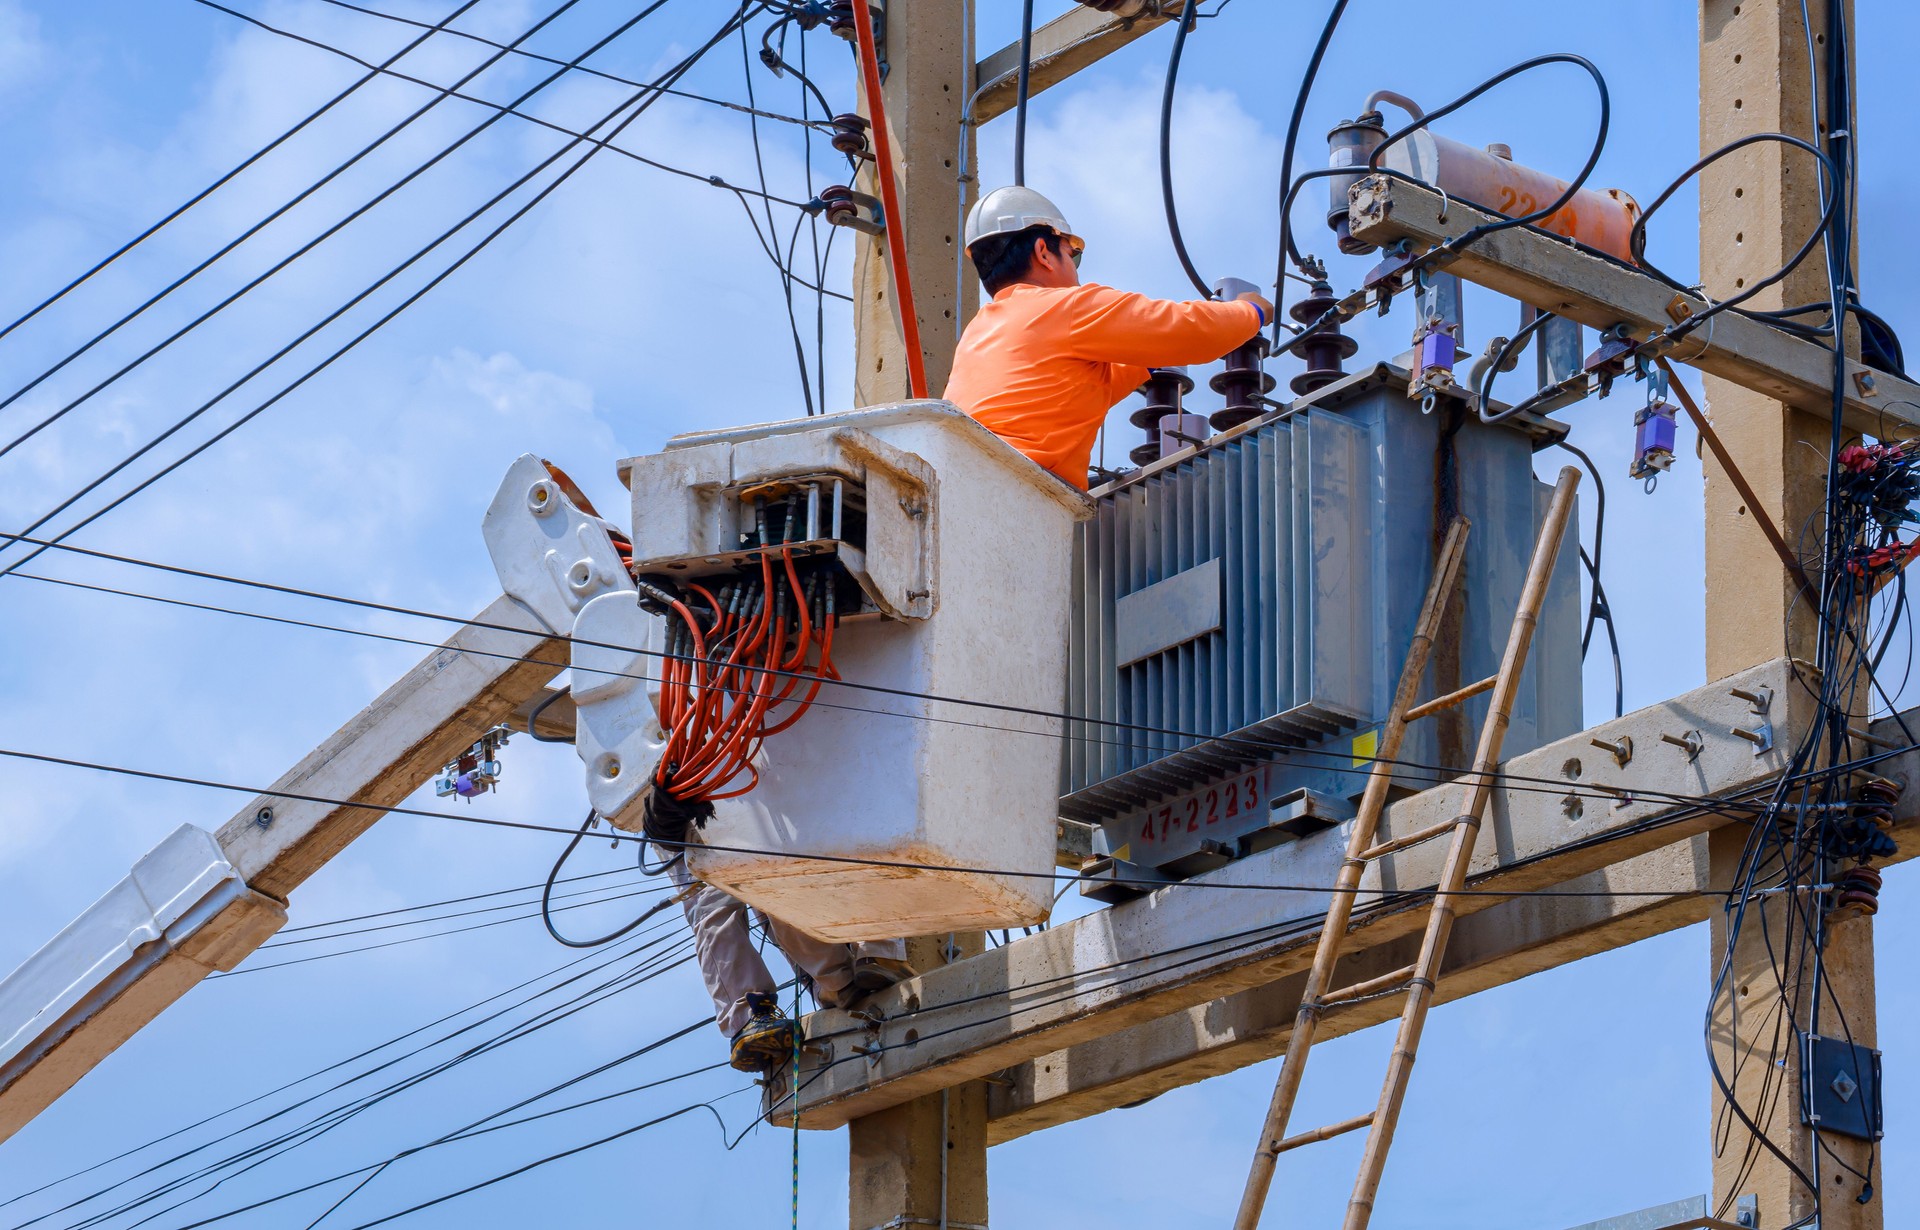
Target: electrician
[[745, 1004], [1042, 363]]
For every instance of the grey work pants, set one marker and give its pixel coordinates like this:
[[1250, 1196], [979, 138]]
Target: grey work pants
[[732, 966]]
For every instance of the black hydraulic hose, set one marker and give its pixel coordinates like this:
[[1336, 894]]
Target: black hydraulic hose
[[1289, 251], [546, 897], [1021, 90], [1183, 25], [1637, 237]]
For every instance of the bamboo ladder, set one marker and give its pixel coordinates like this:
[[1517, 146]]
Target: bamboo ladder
[[1416, 981]]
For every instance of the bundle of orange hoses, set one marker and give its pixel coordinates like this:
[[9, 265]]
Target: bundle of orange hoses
[[734, 674]]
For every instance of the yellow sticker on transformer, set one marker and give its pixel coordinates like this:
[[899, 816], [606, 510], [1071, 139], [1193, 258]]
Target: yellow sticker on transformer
[[1366, 746]]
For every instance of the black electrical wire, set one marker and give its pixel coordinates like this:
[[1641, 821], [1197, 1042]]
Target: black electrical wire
[[637, 110], [1182, 26], [546, 898], [1502, 361], [297, 1081], [250, 968], [1022, 87], [1289, 251], [1475, 234], [626, 890], [1700, 803], [472, 1130], [508, 109], [512, 1033], [533, 717], [173, 215], [581, 69], [1339, 761], [1598, 608], [260, 1154], [1637, 237], [784, 269], [441, 95], [435, 905]]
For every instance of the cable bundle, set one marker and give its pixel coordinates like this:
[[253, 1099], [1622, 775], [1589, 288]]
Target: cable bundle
[[733, 664]]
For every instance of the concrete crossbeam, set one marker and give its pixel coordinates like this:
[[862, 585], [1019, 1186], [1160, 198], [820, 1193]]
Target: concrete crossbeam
[[1558, 815], [1062, 47]]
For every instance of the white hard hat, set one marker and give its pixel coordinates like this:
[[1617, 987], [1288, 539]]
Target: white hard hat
[[1006, 211]]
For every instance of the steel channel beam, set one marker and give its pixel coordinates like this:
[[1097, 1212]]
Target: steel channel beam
[[1553, 275]]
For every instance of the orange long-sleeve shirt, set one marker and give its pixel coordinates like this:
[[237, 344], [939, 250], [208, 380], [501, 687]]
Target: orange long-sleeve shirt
[[1040, 366]]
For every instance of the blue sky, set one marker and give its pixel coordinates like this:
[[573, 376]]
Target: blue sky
[[631, 305]]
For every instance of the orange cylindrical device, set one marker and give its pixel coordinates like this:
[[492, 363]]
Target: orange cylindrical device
[[1490, 179]]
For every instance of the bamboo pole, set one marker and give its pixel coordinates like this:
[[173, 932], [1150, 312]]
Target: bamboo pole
[[1479, 791], [1446, 576]]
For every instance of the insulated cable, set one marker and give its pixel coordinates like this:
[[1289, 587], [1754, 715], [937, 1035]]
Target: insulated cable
[[1183, 24], [546, 899], [1338, 762], [1410, 771], [1288, 250], [513, 110], [242, 165], [638, 105], [442, 93], [1021, 89], [584, 70]]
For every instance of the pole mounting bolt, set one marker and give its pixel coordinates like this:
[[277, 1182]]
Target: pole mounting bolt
[[1691, 743], [1621, 750]]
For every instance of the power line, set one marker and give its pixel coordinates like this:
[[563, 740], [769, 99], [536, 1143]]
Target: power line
[[803, 121], [1705, 803], [673, 74], [441, 95], [300, 1080], [1338, 762], [228, 177], [603, 962], [510, 109]]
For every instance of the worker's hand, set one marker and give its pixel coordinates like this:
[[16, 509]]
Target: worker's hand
[[1258, 300]]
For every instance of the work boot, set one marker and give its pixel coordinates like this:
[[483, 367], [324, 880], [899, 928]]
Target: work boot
[[871, 975], [766, 1042]]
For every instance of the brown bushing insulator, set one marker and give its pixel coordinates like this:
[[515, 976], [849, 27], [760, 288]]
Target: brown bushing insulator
[[850, 133], [1241, 383], [840, 19], [1857, 891], [1164, 388], [838, 199], [1326, 350]]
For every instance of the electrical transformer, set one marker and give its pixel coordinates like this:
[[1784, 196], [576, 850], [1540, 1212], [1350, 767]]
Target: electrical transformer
[[1241, 609]]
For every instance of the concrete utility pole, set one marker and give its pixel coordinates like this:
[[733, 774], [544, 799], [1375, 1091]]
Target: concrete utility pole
[[926, 50], [923, 1163], [1756, 207]]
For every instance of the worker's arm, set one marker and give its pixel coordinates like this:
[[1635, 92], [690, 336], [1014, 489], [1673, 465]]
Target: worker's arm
[[1117, 326]]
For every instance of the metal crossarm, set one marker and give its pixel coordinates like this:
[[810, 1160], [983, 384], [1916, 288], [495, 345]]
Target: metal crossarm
[[1415, 981]]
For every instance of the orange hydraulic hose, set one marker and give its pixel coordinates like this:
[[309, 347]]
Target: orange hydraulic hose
[[889, 197]]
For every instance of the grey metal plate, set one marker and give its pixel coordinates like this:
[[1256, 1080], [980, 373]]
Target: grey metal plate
[[1167, 613]]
